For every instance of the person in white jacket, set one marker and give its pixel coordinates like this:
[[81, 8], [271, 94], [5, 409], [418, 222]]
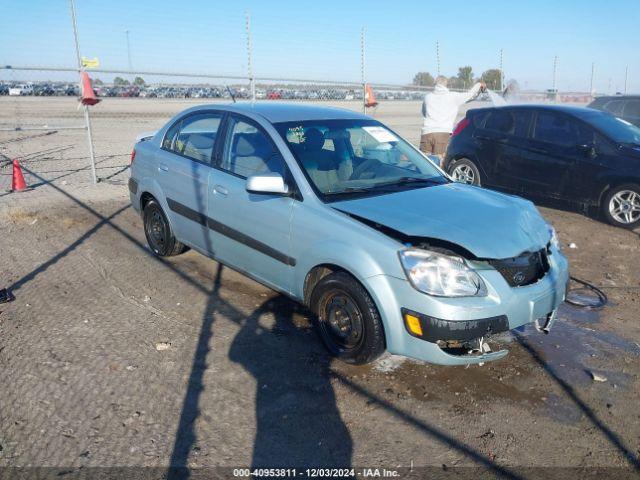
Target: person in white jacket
[[440, 109]]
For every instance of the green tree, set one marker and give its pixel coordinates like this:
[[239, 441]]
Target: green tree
[[139, 81], [465, 77], [424, 79], [492, 78], [97, 81], [120, 81], [455, 83]]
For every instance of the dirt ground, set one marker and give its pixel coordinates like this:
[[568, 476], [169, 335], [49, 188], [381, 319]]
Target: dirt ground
[[112, 357]]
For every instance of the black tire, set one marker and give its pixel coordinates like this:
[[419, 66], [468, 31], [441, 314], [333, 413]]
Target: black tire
[[469, 166], [160, 238], [363, 340], [612, 200]]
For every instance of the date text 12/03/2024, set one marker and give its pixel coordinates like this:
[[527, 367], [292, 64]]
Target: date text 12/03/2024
[[315, 473]]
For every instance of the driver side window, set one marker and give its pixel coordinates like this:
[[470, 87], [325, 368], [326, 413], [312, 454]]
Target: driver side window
[[249, 151]]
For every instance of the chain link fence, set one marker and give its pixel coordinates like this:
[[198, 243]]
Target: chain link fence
[[42, 122]]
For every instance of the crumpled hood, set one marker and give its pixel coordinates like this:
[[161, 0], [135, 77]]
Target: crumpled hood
[[486, 223]]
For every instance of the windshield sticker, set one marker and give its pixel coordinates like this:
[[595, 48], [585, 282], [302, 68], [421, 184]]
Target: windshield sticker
[[381, 134]]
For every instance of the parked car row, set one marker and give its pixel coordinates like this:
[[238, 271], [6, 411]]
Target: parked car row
[[38, 89], [293, 92]]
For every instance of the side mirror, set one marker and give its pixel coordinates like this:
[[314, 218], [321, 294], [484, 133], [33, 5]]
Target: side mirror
[[588, 150], [268, 183]]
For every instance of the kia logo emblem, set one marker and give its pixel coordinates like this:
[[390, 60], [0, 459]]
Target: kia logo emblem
[[518, 277]]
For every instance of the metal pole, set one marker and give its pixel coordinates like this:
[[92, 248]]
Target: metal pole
[[86, 108], [438, 57], [363, 72], [555, 71], [593, 73], [129, 51], [626, 78], [252, 83], [501, 73]]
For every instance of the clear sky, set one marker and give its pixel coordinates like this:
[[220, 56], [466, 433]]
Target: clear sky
[[321, 39]]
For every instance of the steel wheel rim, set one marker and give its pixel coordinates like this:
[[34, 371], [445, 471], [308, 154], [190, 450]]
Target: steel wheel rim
[[624, 207], [464, 174], [156, 231], [341, 320]]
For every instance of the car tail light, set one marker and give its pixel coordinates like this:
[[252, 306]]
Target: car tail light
[[133, 156], [461, 126]]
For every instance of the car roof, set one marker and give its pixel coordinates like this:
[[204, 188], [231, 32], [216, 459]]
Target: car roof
[[570, 109], [618, 97], [287, 112]]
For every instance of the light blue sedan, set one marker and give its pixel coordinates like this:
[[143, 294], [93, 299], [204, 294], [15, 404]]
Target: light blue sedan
[[335, 210]]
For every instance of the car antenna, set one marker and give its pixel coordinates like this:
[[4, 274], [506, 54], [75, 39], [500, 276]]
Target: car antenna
[[230, 93]]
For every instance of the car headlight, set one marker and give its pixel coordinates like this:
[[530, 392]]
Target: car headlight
[[441, 275], [554, 238]]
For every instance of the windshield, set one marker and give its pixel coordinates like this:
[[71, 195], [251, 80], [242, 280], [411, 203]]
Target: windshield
[[356, 157], [617, 129]]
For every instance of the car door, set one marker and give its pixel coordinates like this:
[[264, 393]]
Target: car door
[[251, 231], [512, 164], [184, 164], [596, 156], [551, 153]]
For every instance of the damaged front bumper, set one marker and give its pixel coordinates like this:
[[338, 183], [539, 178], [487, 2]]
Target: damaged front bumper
[[448, 326]]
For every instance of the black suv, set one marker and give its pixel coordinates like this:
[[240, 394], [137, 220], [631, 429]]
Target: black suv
[[626, 107], [581, 157]]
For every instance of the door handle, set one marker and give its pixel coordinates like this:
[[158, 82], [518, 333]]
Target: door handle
[[221, 190], [163, 168]]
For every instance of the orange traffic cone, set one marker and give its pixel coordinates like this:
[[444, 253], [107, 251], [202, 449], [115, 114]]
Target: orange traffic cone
[[88, 95], [369, 97], [17, 182]]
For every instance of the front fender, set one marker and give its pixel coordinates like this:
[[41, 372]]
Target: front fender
[[359, 262]]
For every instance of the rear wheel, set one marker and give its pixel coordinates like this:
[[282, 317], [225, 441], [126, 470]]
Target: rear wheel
[[621, 206], [465, 171], [347, 319], [158, 231]]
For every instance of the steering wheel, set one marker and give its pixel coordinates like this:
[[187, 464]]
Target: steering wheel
[[368, 165]]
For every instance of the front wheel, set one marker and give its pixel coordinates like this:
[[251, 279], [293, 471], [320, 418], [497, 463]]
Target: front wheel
[[621, 206], [465, 171], [158, 231], [347, 319]]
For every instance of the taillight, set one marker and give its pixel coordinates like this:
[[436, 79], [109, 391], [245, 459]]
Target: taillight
[[133, 156], [461, 126]]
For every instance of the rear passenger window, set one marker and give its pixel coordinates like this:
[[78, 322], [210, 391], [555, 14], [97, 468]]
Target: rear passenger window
[[553, 128], [249, 151], [195, 137], [170, 136], [514, 123]]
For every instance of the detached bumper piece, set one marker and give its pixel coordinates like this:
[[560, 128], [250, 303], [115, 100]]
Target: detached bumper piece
[[435, 330]]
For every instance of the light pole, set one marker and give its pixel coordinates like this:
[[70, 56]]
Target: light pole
[[126, 32], [626, 78]]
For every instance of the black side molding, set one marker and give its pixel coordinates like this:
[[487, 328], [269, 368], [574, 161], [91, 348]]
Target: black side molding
[[229, 232]]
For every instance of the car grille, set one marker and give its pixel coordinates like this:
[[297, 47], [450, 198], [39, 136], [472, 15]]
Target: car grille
[[524, 269]]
